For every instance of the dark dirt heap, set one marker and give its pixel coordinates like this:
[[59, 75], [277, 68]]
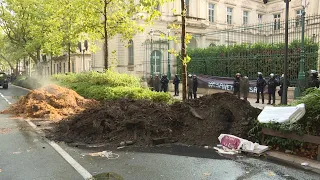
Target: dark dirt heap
[[196, 122], [52, 102]]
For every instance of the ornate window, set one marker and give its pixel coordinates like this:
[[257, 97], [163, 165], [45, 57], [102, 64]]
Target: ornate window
[[245, 17], [277, 22], [211, 12], [130, 53], [229, 15]]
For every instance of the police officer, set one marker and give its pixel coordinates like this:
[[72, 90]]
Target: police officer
[[150, 83], [156, 83], [195, 86], [281, 85], [236, 85], [176, 82], [190, 86], [314, 82], [261, 84], [164, 83], [272, 86]]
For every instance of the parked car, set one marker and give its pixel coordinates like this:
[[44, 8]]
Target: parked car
[[4, 80]]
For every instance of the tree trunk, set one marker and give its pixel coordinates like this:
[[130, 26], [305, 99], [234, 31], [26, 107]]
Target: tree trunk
[[69, 57], [16, 70], [35, 60], [24, 64], [9, 63], [183, 51], [106, 52], [51, 64], [38, 65]]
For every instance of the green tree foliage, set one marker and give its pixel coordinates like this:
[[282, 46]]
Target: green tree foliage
[[119, 17], [10, 53], [54, 26]]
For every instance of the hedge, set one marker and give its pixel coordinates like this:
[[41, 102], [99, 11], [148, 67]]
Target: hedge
[[109, 85], [226, 61]]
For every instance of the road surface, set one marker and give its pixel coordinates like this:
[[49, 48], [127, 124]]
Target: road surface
[[25, 155]]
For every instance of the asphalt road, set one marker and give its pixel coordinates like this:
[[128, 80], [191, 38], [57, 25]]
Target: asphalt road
[[25, 155]]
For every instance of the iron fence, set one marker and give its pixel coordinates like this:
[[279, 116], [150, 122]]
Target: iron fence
[[252, 48]]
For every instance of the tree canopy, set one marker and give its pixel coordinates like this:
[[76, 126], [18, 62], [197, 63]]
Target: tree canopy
[[51, 26]]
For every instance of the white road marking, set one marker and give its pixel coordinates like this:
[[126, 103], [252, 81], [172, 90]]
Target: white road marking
[[5, 98], [81, 170], [20, 87]]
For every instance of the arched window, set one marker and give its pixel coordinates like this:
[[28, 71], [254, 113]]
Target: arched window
[[130, 53]]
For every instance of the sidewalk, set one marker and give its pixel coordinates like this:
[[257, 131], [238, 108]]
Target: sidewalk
[[297, 161], [251, 100]]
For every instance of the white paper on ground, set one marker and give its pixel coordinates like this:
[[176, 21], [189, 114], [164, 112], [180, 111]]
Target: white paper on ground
[[282, 114], [258, 149], [244, 145], [221, 151]]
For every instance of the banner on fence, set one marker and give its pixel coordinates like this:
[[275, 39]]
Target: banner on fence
[[223, 83]]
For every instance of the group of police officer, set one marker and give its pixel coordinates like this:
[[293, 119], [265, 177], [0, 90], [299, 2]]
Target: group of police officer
[[241, 85]]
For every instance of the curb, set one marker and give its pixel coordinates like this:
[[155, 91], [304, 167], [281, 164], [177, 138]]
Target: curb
[[21, 87], [313, 166]]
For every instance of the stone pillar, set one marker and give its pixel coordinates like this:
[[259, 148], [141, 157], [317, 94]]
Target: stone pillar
[[203, 41]]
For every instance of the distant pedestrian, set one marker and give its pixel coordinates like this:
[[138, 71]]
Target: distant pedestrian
[[261, 84], [164, 83], [244, 87], [195, 86], [150, 83], [272, 86], [236, 85], [190, 86], [176, 82], [156, 84]]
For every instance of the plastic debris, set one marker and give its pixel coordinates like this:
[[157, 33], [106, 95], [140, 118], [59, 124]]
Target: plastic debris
[[304, 164], [107, 154], [234, 143]]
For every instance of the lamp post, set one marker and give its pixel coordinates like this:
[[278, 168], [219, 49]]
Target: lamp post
[[169, 65], [301, 76], [151, 59]]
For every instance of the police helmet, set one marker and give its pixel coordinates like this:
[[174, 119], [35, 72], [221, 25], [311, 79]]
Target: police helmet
[[313, 71]]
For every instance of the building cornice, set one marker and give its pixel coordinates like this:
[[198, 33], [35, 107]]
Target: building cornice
[[230, 2]]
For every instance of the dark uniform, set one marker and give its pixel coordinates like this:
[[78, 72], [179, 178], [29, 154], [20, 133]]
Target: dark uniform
[[156, 84], [313, 81], [164, 83], [261, 84], [176, 82], [150, 83], [195, 86], [236, 85], [190, 87], [272, 86], [281, 86]]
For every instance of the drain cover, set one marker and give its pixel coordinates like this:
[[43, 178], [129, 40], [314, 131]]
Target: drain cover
[[108, 176]]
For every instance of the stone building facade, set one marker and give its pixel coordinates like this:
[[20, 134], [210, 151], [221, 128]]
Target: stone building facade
[[148, 52]]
